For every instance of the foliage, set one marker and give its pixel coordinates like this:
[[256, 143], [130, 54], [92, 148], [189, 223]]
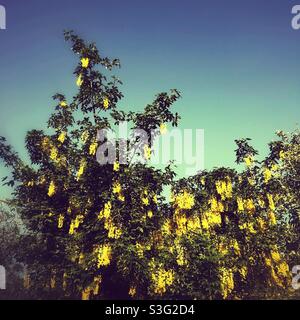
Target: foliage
[[106, 231]]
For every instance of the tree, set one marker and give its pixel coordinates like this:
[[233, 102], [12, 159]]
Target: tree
[[106, 231]]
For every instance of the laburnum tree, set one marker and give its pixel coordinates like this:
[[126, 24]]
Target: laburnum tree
[[103, 231]]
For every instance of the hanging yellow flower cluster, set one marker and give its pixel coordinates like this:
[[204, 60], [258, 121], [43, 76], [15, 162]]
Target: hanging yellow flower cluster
[[144, 198], [147, 152], [75, 224], [63, 104], [61, 219], [132, 291], [267, 175], [103, 253], [271, 202], [62, 137], [183, 200], [279, 269], [51, 189], [227, 282], [93, 148], [248, 226], [85, 62], [181, 258], [224, 188], [92, 289], [105, 103], [161, 279], [245, 205], [79, 80], [81, 169], [117, 189], [116, 166], [215, 205], [249, 160], [113, 231], [166, 227], [163, 128]]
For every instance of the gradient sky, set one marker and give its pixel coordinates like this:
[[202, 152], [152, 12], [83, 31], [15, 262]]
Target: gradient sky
[[236, 63]]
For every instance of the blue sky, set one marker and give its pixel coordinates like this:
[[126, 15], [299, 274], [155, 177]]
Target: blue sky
[[236, 63]]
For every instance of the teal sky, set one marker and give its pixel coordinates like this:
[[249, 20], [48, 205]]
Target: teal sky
[[236, 63]]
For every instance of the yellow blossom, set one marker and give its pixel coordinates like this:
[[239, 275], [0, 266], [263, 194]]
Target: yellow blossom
[[271, 202], [85, 62], [81, 169], [79, 81], [63, 104], [93, 148], [163, 128], [147, 152], [61, 219], [184, 200], [248, 161], [53, 153], [240, 204], [116, 166], [275, 256], [51, 190], [117, 187], [227, 282], [267, 175], [132, 291], [105, 213], [150, 214], [105, 103], [103, 255], [61, 138]]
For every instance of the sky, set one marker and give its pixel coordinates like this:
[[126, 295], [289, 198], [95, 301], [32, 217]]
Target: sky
[[236, 63]]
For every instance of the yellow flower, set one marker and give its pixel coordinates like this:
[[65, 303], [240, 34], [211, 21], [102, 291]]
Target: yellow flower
[[147, 152], [275, 256], [63, 104], [281, 155], [227, 282], [103, 255], [79, 81], [105, 103], [283, 269], [85, 295], [248, 161], [162, 278], [150, 214], [224, 188], [72, 228], [61, 138], [236, 247], [267, 175], [272, 218], [105, 213], [271, 202], [116, 166], [166, 227], [243, 272], [249, 205], [117, 187], [121, 197], [61, 219], [53, 154], [240, 204], [184, 200], [81, 169], [85, 62], [163, 128], [93, 148], [51, 190], [84, 136], [132, 291]]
